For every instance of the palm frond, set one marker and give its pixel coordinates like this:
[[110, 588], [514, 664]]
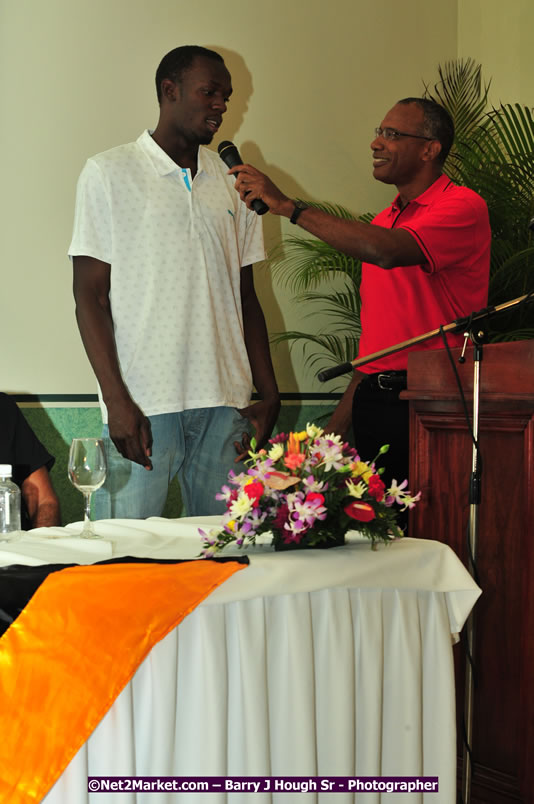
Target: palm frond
[[515, 128], [332, 209], [462, 92], [341, 306], [516, 264], [304, 262], [513, 335], [334, 348], [301, 263], [322, 351]]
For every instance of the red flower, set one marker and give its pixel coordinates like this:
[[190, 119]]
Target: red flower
[[376, 488], [288, 537], [281, 517], [294, 459], [278, 439], [361, 511], [314, 495], [254, 491]]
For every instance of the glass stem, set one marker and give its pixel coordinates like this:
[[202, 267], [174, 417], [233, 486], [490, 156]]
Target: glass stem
[[87, 511]]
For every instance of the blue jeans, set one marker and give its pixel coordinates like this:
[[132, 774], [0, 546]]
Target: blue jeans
[[197, 445]]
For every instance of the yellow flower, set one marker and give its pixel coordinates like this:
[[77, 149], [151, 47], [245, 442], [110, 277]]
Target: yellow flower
[[241, 506], [356, 489], [361, 469], [313, 431], [276, 452], [302, 436]]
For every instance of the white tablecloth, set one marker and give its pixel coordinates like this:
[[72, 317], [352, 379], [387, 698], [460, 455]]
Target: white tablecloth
[[308, 663]]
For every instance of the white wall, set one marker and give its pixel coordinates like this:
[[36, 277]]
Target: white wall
[[500, 36], [311, 80]]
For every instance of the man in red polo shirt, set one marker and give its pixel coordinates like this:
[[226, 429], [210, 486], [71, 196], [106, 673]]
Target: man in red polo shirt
[[425, 263]]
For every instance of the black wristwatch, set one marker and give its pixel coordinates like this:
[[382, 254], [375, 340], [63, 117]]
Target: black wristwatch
[[300, 206]]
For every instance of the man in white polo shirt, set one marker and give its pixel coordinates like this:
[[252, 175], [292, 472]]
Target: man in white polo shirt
[[165, 301]]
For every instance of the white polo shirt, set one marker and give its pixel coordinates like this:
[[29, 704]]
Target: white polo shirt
[[176, 247]]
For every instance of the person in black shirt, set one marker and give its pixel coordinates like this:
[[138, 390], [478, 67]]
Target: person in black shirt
[[31, 462]]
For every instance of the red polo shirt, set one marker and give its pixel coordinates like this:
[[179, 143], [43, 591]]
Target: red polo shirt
[[451, 226]]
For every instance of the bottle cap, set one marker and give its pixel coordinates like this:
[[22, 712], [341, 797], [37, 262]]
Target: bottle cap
[[5, 470]]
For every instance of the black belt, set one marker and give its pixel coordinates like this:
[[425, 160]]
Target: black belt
[[387, 380]]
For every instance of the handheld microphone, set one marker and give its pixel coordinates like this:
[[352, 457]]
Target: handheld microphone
[[230, 156]]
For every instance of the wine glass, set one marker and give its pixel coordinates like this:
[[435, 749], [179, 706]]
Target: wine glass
[[87, 472]]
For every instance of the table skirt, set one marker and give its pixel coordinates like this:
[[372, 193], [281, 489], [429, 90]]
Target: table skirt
[[331, 682]]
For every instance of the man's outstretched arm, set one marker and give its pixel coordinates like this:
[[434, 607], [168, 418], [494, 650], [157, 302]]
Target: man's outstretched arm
[[386, 248]]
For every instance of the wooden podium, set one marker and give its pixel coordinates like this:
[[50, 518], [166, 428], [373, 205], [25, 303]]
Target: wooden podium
[[440, 465]]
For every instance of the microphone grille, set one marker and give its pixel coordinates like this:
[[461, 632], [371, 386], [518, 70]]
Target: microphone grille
[[224, 145]]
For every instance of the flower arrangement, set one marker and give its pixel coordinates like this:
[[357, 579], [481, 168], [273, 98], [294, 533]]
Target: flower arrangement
[[308, 489]]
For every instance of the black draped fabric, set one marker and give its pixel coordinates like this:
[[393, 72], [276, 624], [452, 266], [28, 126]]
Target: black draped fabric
[[18, 583]]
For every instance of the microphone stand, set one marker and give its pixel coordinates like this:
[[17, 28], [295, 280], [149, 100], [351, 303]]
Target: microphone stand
[[459, 325], [477, 336]]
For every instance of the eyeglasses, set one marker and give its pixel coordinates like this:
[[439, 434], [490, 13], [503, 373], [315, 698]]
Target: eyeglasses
[[393, 134]]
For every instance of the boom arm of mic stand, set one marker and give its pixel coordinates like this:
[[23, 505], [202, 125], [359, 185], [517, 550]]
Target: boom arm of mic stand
[[459, 325], [344, 368]]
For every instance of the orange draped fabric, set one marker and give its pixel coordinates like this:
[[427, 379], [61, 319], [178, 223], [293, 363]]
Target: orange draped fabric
[[71, 651]]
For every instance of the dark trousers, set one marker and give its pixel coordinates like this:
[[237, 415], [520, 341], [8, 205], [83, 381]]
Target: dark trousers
[[379, 417]]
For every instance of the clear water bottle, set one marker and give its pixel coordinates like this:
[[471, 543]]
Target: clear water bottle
[[9, 504]]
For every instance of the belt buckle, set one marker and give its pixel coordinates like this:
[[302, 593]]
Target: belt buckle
[[380, 380]]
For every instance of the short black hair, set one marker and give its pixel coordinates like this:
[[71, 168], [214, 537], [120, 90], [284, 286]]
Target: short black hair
[[437, 123], [177, 61]]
